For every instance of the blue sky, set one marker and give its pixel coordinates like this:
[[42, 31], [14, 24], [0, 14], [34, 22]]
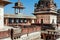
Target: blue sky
[[28, 4]]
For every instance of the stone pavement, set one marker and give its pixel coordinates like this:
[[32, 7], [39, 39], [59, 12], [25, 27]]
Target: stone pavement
[[37, 39], [31, 36]]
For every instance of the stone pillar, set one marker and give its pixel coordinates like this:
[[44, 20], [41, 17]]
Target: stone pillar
[[1, 17], [44, 37], [28, 22], [3, 3], [18, 11], [32, 20], [6, 22]]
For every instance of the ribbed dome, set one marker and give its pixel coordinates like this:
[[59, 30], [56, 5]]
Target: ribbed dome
[[45, 5]]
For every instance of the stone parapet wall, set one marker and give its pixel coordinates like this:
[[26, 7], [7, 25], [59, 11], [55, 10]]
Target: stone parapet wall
[[7, 34], [4, 34], [30, 30]]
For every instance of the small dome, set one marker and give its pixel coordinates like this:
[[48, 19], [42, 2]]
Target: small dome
[[18, 5]]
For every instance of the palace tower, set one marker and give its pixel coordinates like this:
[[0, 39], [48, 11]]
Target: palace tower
[[45, 11], [46, 14]]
